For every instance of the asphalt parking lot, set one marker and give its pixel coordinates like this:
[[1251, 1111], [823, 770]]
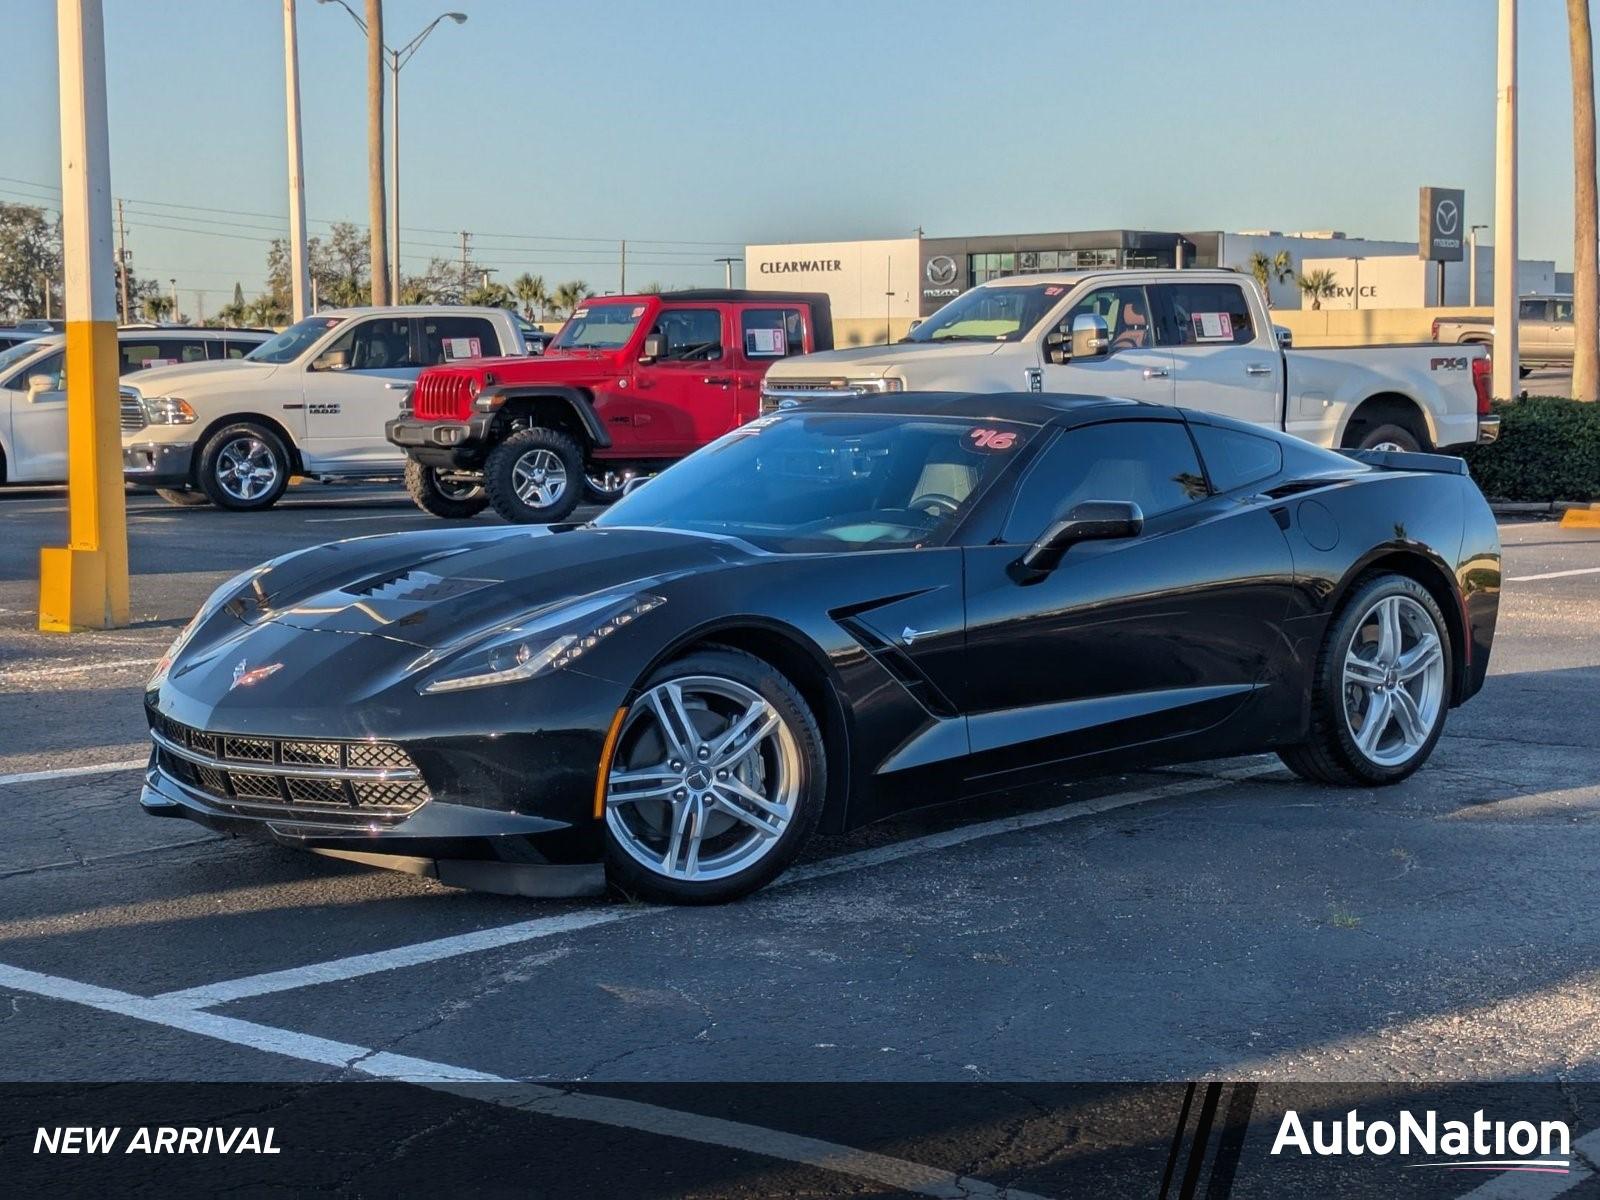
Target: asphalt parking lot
[[1222, 921]]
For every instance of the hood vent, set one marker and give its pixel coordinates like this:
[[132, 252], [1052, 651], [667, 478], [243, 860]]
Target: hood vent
[[416, 586]]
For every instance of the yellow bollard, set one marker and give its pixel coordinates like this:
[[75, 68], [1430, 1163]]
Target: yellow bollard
[[84, 585]]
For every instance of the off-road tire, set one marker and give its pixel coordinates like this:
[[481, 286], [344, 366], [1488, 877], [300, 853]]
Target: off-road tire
[[422, 484]]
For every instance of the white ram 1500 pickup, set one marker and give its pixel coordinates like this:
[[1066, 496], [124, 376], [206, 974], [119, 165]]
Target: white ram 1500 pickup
[[312, 401], [1202, 339]]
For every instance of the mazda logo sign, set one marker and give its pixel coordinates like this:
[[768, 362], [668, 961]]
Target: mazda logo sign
[[1447, 217], [941, 270]]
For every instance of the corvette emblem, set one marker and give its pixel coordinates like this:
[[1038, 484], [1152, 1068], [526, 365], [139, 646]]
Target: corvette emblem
[[244, 676]]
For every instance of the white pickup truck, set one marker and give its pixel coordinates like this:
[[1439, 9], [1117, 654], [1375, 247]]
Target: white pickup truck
[[1202, 339], [312, 402]]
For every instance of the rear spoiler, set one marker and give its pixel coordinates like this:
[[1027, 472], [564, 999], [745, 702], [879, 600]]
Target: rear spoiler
[[1402, 460]]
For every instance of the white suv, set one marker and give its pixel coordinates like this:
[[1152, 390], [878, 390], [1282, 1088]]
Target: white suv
[[312, 401]]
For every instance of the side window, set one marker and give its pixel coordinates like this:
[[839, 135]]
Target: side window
[[1151, 463], [235, 349], [377, 345], [772, 332], [1533, 310], [135, 356], [447, 338], [1561, 310], [692, 334], [1126, 312], [177, 351], [54, 366], [1235, 458], [1204, 314]]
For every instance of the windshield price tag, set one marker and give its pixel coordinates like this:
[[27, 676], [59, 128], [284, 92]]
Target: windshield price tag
[[1212, 326], [991, 440], [579, 313]]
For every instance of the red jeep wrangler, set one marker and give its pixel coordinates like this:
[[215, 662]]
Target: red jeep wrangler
[[630, 385]]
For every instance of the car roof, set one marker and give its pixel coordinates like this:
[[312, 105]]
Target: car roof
[[410, 310], [1031, 408], [1124, 274]]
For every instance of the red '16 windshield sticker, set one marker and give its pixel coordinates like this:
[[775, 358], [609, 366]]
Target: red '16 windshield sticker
[[991, 439]]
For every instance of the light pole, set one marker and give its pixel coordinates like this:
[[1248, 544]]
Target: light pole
[[727, 269], [297, 183], [1472, 264], [1505, 205], [397, 59]]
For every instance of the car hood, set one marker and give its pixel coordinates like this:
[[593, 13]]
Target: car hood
[[433, 593], [232, 373], [871, 362], [553, 366]]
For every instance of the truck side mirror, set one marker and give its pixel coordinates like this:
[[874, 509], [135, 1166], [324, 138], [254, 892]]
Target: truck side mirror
[[1093, 520], [1090, 338], [332, 360], [1285, 336], [655, 346]]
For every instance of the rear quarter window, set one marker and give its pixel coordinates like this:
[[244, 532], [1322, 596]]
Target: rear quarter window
[[1235, 459]]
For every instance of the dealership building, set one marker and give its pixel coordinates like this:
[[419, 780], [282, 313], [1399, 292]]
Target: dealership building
[[879, 287]]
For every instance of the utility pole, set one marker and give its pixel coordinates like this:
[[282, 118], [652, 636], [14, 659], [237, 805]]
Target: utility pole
[[622, 269], [1505, 206], [200, 306], [1472, 264], [464, 237], [84, 585], [122, 258], [727, 269], [297, 182], [377, 207], [174, 285]]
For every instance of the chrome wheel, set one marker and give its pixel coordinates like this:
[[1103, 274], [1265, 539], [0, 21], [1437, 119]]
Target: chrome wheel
[[539, 478], [455, 488], [246, 468], [1394, 672], [606, 486], [705, 780], [1390, 447]]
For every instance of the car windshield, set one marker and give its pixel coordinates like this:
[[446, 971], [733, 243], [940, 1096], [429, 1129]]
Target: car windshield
[[20, 351], [799, 483], [293, 341], [599, 327], [990, 314]]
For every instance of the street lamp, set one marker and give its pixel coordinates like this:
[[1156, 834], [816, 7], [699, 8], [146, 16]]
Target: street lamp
[[397, 59], [1472, 263], [727, 268]]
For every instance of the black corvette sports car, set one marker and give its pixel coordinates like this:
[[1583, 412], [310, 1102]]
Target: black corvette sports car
[[831, 614]]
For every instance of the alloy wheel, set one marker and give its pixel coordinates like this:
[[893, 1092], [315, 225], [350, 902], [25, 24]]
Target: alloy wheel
[[246, 468], [539, 477], [1394, 672], [705, 781]]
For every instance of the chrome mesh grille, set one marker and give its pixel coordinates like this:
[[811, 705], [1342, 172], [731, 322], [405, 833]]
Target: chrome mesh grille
[[318, 780]]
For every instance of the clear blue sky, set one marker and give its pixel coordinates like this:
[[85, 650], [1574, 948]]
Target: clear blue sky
[[728, 122]]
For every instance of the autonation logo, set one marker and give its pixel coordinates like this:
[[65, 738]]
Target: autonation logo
[[1477, 1145]]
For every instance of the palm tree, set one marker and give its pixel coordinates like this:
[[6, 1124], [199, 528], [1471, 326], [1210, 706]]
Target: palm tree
[[569, 295], [1268, 268], [1586, 220], [1317, 285], [157, 307], [531, 291], [491, 295], [651, 289]]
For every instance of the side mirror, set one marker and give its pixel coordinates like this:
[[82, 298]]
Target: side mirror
[[655, 345], [1090, 337], [1091, 521], [332, 360], [38, 385], [1285, 336]]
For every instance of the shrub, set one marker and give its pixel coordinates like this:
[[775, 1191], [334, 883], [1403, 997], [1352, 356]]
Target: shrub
[[1549, 449]]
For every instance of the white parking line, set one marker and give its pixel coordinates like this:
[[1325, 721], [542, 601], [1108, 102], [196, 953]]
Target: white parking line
[[132, 764], [340, 969], [1553, 575], [898, 1173], [1516, 1185], [341, 520]]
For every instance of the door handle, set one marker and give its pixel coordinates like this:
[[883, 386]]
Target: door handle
[[1155, 372], [1257, 369], [724, 380]]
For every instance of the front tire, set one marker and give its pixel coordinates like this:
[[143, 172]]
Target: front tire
[[535, 476], [444, 498], [1383, 683], [244, 467], [716, 783]]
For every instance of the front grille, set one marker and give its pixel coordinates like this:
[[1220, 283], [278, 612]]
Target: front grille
[[292, 777], [133, 418], [442, 396]]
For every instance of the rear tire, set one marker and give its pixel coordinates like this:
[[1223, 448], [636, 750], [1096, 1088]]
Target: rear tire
[[1391, 437], [244, 467], [442, 498], [183, 497], [535, 476], [1372, 722], [602, 485], [741, 814]]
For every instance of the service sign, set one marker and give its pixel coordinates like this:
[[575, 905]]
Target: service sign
[[1443, 228]]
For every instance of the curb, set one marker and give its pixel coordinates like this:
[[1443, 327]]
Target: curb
[[1539, 508]]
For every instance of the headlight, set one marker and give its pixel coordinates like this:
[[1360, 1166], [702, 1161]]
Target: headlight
[[543, 643], [167, 410]]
